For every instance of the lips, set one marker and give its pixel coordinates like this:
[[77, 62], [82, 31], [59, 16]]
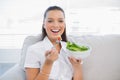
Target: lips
[[55, 30]]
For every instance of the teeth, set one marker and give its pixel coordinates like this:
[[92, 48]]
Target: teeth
[[55, 30]]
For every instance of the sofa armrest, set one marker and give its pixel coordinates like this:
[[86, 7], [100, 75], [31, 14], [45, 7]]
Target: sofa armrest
[[15, 73]]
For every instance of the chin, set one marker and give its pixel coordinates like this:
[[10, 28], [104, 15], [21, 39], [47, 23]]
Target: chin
[[54, 37]]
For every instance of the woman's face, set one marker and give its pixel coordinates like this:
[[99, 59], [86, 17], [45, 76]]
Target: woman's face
[[54, 24]]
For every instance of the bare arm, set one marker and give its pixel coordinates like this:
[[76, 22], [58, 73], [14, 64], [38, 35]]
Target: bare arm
[[31, 73], [77, 67], [39, 74], [78, 74], [43, 73]]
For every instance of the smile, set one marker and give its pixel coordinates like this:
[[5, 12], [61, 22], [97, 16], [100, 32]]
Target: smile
[[55, 31]]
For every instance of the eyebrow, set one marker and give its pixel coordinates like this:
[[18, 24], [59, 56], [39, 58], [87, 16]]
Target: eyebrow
[[58, 18]]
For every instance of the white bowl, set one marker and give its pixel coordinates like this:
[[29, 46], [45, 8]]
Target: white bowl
[[79, 54]]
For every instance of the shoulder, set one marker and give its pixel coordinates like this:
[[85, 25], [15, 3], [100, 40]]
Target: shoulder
[[37, 46]]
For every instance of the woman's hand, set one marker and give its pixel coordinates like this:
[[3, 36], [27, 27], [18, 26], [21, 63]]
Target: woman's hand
[[76, 63], [51, 55]]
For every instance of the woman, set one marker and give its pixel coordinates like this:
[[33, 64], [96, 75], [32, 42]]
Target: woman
[[47, 60]]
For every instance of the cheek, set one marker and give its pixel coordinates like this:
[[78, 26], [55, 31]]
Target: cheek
[[47, 26], [63, 26]]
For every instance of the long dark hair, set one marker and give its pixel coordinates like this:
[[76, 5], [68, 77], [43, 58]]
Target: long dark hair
[[64, 37]]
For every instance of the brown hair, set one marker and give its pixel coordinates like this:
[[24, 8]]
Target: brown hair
[[64, 37]]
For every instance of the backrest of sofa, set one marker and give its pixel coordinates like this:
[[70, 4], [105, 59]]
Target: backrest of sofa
[[30, 40], [102, 64]]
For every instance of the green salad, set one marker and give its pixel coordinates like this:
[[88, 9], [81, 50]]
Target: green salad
[[74, 47]]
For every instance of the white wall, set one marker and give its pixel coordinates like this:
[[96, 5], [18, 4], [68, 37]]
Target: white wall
[[20, 18]]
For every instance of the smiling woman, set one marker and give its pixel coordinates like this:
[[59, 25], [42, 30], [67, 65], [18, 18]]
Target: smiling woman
[[47, 62], [19, 19]]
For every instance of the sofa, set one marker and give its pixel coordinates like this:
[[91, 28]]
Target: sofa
[[102, 64]]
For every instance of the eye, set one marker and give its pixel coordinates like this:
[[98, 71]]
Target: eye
[[61, 21], [50, 21]]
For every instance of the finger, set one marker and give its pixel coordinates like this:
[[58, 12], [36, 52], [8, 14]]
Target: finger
[[54, 51], [70, 59], [73, 59], [46, 53]]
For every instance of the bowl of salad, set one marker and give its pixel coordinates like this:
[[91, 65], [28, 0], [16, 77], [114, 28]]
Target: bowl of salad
[[78, 50]]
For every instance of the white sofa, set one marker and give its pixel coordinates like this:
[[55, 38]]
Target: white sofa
[[102, 64]]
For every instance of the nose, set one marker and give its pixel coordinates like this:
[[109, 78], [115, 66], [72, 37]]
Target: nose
[[56, 24]]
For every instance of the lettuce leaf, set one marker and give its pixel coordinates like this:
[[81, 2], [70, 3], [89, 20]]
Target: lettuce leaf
[[74, 47]]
